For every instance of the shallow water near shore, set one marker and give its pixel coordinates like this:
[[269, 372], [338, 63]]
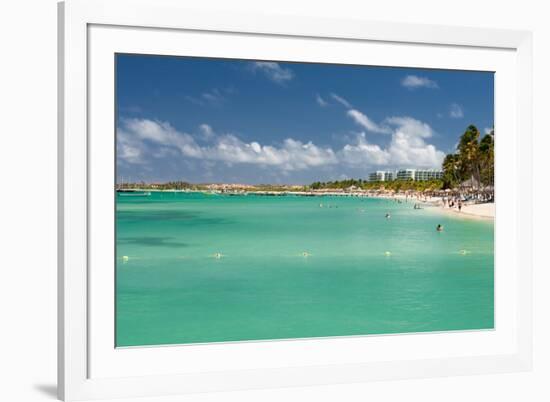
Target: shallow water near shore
[[195, 267]]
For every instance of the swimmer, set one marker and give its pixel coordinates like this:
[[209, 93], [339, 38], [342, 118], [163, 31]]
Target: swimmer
[[388, 216], [217, 256], [439, 228], [463, 252], [305, 254]]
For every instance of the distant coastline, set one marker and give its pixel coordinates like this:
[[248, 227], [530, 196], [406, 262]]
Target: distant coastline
[[476, 204]]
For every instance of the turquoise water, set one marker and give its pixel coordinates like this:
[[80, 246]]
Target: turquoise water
[[172, 289]]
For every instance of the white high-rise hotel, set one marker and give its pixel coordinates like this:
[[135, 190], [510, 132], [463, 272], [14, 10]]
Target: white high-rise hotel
[[382, 176], [406, 174]]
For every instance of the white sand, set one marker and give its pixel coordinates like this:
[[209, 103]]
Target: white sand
[[476, 211]]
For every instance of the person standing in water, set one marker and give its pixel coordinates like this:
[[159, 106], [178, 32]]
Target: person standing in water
[[439, 228]]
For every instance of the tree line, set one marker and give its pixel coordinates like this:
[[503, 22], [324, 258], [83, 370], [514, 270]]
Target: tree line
[[395, 185]]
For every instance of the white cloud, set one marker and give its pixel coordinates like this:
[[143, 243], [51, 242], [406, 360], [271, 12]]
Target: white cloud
[[455, 111], [273, 71], [212, 97], [140, 139], [363, 153], [227, 148], [162, 133], [364, 121], [128, 149], [207, 132], [413, 127], [321, 101], [414, 81], [407, 147], [291, 155], [341, 100]]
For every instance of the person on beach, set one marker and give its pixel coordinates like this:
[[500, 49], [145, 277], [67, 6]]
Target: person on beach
[[439, 228], [459, 205]]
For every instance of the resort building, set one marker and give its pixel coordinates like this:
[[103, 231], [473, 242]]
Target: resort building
[[423, 175], [419, 174], [382, 176], [406, 174]]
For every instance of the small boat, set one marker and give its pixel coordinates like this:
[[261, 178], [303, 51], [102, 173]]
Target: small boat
[[133, 193]]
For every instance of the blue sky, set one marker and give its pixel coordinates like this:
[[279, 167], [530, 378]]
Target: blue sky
[[235, 121]]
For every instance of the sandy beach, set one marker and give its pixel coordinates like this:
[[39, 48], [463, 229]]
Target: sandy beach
[[484, 211]]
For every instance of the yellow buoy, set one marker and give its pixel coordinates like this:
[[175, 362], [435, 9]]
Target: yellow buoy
[[125, 258], [387, 253]]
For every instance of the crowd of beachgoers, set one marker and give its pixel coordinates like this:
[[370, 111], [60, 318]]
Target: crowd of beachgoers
[[467, 202]]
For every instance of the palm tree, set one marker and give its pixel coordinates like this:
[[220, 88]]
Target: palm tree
[[474, 160], [487, 158], [451, 170], [468, 151]]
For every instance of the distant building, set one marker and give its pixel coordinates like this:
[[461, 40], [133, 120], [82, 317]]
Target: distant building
[[382, 176], [419, 174], [406, 174], [423, 175]]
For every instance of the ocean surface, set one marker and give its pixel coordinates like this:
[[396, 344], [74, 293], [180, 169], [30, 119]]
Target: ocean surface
[[194, 267]]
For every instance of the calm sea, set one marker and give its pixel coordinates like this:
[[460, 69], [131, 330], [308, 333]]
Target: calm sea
[[194, 267]]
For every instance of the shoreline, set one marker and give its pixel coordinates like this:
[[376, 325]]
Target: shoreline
[[484, 211], [481, 211]]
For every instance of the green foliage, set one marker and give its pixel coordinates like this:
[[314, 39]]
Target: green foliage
[[395, 185], [342, 184], [473, 160], [487, 158]]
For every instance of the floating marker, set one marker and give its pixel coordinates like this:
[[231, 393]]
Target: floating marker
[[387, 253], [125, 258]]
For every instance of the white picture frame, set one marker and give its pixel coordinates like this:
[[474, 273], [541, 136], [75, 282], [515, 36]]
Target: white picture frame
[[89, 365]]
